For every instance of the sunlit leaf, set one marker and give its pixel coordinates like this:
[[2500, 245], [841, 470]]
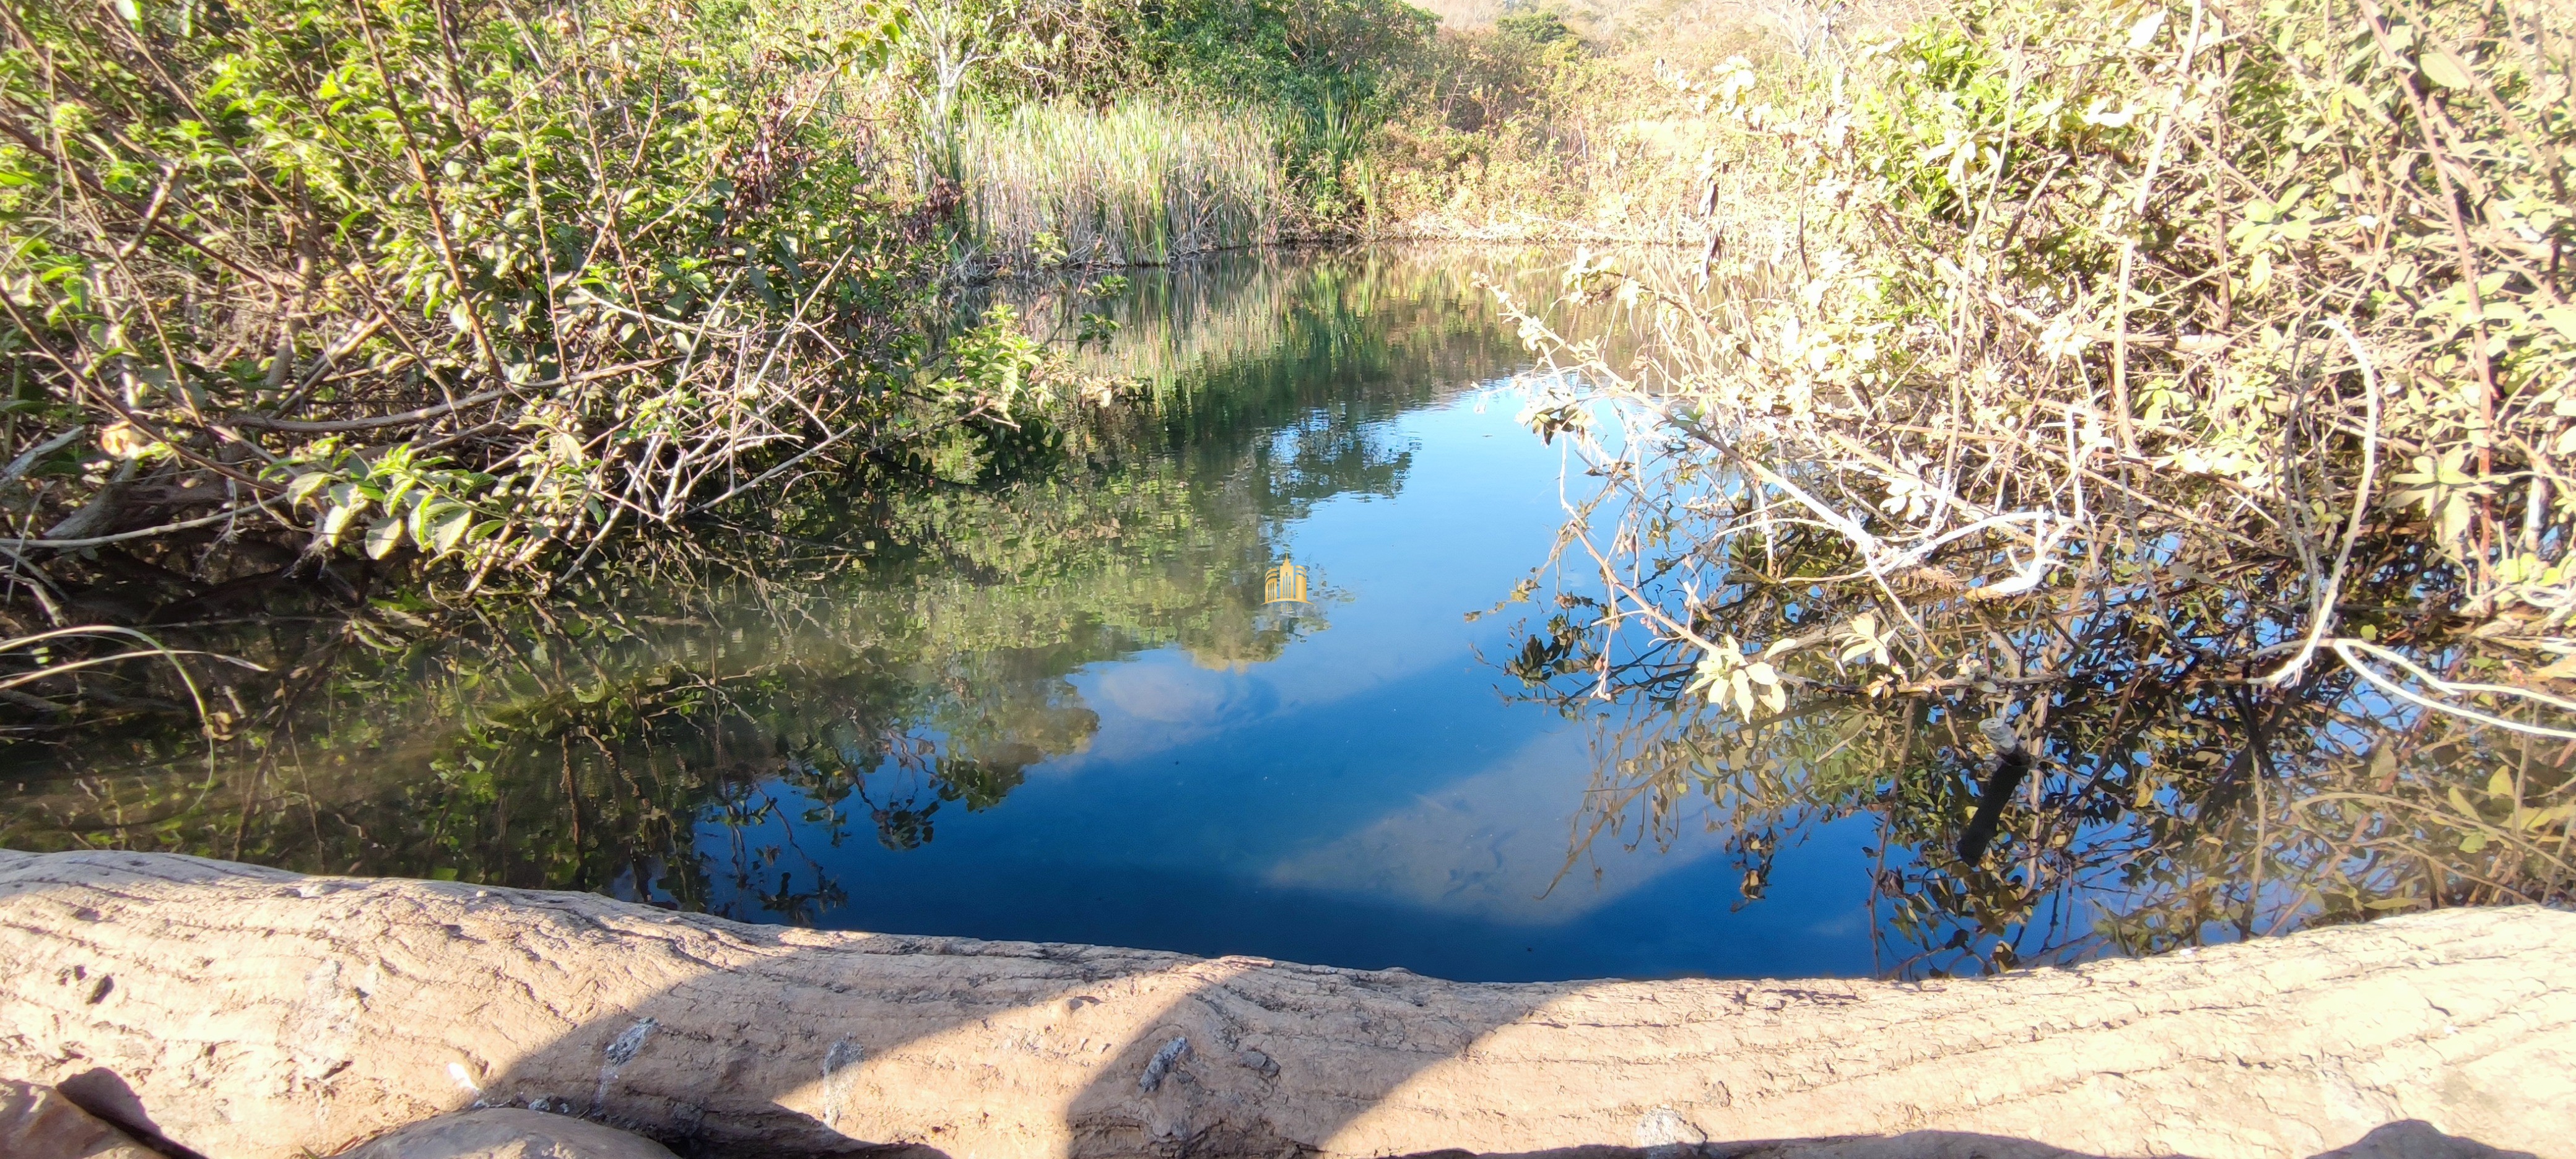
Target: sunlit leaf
[[2144, 31], [450, 529], [384, 536], [2445, 70]]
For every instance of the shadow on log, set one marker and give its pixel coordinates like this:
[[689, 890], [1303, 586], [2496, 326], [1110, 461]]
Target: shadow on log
[[258, 1014]]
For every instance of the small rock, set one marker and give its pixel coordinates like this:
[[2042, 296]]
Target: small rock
[[36, 1123], [1665, 1127], [508, 1133]]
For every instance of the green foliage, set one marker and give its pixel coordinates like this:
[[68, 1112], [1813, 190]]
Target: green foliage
[[1538, 27], [402, 495], [482, 278], [1302, 54]]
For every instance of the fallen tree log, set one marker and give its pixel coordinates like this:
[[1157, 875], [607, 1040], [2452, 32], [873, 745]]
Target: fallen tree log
[[249, 1013]]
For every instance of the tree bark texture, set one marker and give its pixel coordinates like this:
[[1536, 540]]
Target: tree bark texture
[[250, 1013]]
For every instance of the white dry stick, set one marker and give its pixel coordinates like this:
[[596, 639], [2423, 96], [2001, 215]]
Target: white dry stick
[[2321, 611], [2345, 647], [2129, 247]]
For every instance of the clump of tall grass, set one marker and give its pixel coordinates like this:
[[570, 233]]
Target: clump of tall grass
[[1140, 182]]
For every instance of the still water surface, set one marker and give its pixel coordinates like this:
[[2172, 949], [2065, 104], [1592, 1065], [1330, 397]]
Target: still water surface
[[1054, 710], [1371, 791], [1373, 795]]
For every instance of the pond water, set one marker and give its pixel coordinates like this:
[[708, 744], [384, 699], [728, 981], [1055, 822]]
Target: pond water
[[1061, 703], [1059, 709], [1374, 790]]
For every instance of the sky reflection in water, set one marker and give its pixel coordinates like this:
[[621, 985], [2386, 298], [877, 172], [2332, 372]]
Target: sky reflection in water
[[1369, 798], [1046, 706], [1049, 704]]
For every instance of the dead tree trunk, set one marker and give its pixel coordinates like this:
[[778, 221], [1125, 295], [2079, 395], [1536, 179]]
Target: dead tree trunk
[[254, 1014]]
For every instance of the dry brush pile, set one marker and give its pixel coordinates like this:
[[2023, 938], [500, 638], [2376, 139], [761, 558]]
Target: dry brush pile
[[2180, 392]]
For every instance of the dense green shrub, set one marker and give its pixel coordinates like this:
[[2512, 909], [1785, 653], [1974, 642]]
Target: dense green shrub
[[484, 279], [1538, 27], [1302, 53]]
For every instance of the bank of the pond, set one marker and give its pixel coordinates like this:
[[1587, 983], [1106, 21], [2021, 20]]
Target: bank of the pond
[[257, 1014]]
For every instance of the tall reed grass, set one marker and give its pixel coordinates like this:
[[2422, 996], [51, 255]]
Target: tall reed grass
[[1140, 182]]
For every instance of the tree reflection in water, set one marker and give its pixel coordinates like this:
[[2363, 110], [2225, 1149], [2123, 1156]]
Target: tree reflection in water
[[874, 663], [880, 656], [2172, 801]]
